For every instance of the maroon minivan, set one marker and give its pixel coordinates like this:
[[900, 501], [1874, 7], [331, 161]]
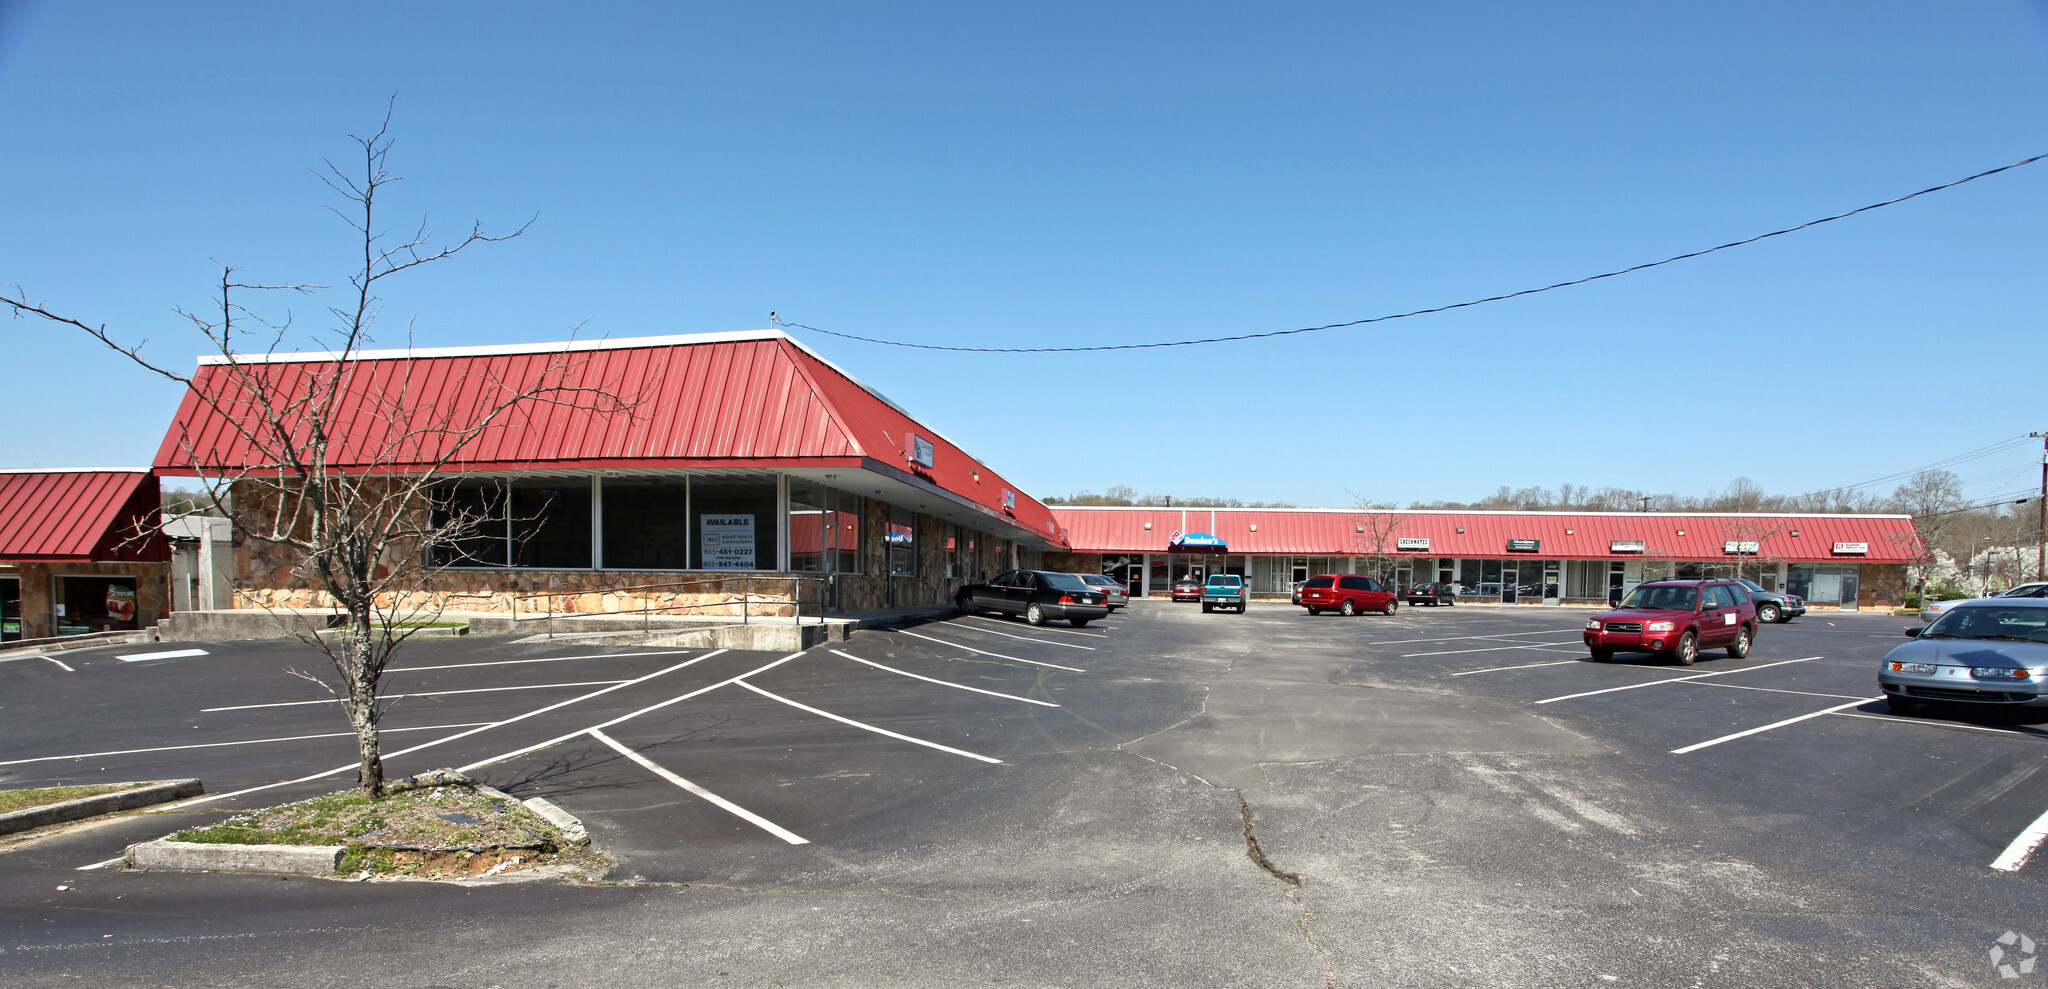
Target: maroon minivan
[[1347, 593], [1676, 618]]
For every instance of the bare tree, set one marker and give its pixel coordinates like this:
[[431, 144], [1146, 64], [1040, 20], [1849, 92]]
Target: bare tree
[[1376, 538], [1752, 542], [331, 469]]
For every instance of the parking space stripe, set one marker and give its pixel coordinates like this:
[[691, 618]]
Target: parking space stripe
[[547, 659], [867, 727], [2022, 848], [1926, 723], [60, 664], [215, 745], [621, 719], [1775, 690], [427, 693], [1745, 733], [142, 657], [1524, 666], [536, 712], [1456, 638], [1007, 635], [943, 683], [984, 652], [736, 810], [1652, 683], [1531, 645], [1042, 628]]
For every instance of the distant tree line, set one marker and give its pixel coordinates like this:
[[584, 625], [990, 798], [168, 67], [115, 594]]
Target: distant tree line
[[1125, 496]]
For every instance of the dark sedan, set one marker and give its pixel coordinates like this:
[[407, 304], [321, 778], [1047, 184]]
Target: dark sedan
[[1038, 595], [1430, 594]]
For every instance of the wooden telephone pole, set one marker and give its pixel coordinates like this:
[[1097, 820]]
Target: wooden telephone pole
[[2041, 515]]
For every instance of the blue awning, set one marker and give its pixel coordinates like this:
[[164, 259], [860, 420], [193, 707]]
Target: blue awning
[[1196, 542]]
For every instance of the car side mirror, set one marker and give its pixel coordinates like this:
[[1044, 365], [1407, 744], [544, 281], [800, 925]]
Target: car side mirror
[[1914, 633]]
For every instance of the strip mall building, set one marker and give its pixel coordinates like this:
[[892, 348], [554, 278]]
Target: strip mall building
[[749, 468]]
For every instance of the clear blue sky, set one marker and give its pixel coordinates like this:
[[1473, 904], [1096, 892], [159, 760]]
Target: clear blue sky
[[1046, 174]]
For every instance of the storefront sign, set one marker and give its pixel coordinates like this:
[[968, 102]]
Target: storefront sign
[[727, 541], [1524, 545], [1412, 542], [1739, 547], [121, 603], [1009, 500], [920, 450], [1625, 546], [1852, 549]]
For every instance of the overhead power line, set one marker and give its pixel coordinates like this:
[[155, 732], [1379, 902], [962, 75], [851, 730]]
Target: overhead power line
[[1416, 312]]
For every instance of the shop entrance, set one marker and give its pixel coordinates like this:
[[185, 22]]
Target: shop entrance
[[1508, 581], [10, 609], [95, 604], [1404, 577]]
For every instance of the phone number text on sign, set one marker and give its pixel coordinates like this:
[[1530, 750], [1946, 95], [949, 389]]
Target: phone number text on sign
[[726, 541]]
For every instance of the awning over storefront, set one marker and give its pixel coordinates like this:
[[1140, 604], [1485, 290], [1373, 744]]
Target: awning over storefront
[[80, 516], [1196, 542]]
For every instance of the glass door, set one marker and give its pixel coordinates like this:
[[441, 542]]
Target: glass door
[[10, 609], [1509, 578], [1850, 578]]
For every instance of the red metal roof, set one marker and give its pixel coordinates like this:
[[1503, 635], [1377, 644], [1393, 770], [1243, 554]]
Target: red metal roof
[[724, 400], [81, 515], [1572, 536]]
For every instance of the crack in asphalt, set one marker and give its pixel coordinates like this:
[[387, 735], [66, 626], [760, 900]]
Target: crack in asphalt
[[1293, 893]]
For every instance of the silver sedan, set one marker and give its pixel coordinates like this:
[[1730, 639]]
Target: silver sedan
[[1112, 588], [1989, 651]]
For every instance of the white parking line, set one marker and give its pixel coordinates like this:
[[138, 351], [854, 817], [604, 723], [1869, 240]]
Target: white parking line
[[741, 812], [1532, 645], [984, 652], [536, 712], [172, 654], [429, 693], [1042, 628], [102, 865], [866, 727], [2023, 846], [1745, 733], [1007, 635], [1455, 638], [943, 683], [623, 718], [1930, 723], [1652, 683], [549, 659], [60, 664], [1524, 666], [215, 745]]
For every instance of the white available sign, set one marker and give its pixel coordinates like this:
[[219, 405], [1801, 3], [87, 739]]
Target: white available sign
[[726, 541]]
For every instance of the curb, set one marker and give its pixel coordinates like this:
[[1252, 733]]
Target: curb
[[572, 828], [105, 803], [187, 856]]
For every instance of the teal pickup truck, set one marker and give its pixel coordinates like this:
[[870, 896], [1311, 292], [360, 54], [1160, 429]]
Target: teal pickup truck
[[1224, 590]]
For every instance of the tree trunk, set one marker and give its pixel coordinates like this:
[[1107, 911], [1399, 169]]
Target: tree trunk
[[362, 687]]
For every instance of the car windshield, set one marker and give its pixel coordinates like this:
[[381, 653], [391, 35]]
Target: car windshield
[[1064, 582], [1991, 621], [1666, 598], [1186, 582], [1100, 581], [1224, 580], [1321, 582], [1753, 585]]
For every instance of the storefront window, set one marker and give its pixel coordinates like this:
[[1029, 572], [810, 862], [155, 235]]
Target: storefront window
[[474, 513], [551, 524], [733, 523], [902, 542], [10, 608], [824, 529], [95, 604], [646, 523]]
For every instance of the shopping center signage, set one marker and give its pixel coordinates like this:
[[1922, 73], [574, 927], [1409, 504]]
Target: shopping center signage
[[1733, 547], [727, 541], [1412, 542], [920, 450], [1625, 546], [1524, 545], [1852, 549]]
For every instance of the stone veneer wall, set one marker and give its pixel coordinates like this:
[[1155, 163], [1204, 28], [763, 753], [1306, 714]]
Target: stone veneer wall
[[152, 591]]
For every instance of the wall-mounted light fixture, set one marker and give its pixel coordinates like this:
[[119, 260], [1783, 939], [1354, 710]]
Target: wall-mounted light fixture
[[1681, 532], [976, 475], [1148, 525], [1795, 533], [1255, 527], [1571, 532], [1461, 530], [1360, 528]]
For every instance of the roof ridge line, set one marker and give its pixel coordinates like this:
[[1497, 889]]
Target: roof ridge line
[[497, 349]]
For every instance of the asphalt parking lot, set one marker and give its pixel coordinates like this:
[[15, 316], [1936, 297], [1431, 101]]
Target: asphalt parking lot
[[1441, 797]]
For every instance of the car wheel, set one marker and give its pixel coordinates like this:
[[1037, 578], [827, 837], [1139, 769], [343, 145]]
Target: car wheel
[[1312, 612], [965, 602], [1034, 614], [1688, 649], [1348, 609], [1603, 655], [1078, 622], [1241, 608], [1768, 614], [1206, 608], [1390, 606], [1740, 647]]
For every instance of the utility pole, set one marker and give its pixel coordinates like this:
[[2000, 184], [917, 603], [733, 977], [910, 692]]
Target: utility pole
[[2041, 514]]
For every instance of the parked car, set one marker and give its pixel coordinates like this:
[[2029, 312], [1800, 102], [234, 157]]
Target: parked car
[[1487, 590], [1187, 589], [2033, 590], [1347, 594], [1986, 651], [1676, 618], [1430, 594], [1038, 595], [1930, 610], [1294, 591], [1114, 593], [1224, 590], [1773, 607]]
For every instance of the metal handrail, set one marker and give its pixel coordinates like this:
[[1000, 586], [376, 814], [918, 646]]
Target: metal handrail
[[746, 602]]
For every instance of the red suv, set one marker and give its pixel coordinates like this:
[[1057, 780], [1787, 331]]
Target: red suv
[[1676, 618], [1348, 594]]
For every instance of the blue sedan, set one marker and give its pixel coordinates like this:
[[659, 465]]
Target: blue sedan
[[1989, 651]]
